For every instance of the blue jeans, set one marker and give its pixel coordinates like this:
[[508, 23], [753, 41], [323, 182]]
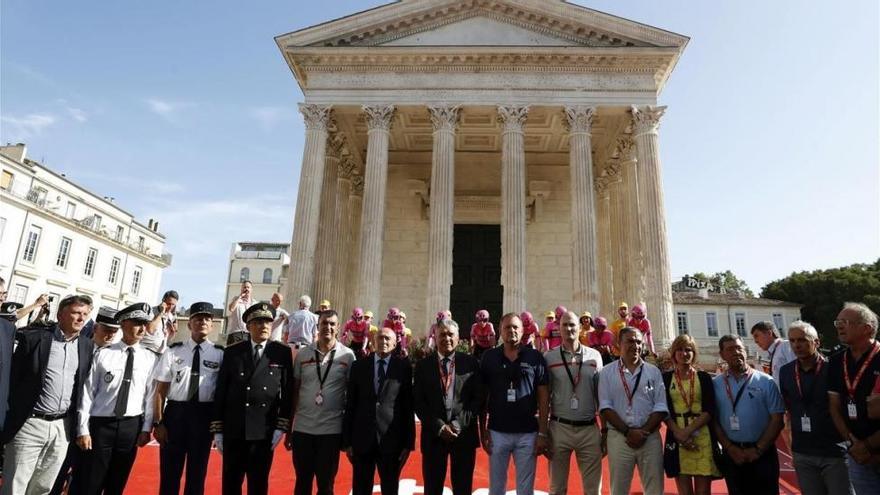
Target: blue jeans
[[522, 447], [822, 475], [865, 479]]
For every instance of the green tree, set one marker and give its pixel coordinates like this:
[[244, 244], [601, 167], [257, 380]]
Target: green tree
[[726, 280], [823, 292]]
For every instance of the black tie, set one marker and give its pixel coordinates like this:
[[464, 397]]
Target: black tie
[[381, 375], [445, 367], [257, 353], [193, 393], [122, 397]]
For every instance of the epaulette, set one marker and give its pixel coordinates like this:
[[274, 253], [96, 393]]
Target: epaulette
[[218, 346], [236, 343], [176, 344]]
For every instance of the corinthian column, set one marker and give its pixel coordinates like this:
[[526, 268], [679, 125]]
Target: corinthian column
[[617, 234], [324, 250], [305, 220], [445, 120], [585, 294], [341, 235], [658, 290], [634, 290], [355, 207], [513, 208], [605, 271], [373, 218]]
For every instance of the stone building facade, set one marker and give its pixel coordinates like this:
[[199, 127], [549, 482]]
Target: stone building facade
[[482, 153]]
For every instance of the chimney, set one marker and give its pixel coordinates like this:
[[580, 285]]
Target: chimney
[[150, 224], [156, 226]]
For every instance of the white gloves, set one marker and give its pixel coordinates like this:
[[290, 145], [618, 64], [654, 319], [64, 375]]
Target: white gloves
[[218, 442], [276, 437]]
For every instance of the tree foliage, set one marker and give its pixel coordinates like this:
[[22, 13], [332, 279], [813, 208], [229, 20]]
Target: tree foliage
[[726, 280], [823, 292]]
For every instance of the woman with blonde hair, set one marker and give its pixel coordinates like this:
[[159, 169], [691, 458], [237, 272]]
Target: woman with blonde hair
[[688, 456]]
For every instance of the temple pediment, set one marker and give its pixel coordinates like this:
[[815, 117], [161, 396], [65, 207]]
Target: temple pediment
[[480, 30]]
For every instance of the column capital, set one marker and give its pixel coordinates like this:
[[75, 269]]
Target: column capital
[[512, 118], [379, 117], [444, 118], [317, 117], [646, 120], [579, 119]]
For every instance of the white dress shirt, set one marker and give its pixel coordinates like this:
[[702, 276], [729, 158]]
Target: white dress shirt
[[103, 382], [175, 365]]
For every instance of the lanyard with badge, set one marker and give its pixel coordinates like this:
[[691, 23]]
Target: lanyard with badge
[[576, 379], [851, 409], [513, 375], [319, 397], [446, 377], [734, 419], [689, 397], [629, 393], [807, 399]]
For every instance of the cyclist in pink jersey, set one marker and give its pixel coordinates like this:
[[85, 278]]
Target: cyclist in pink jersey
[[639, 319], [482, 334], [432, 333], [530, 330], [601, 339], [394, 321], [552, 336], [356, 332]]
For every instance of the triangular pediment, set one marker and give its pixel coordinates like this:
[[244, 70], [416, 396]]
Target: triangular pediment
[[481, 23]]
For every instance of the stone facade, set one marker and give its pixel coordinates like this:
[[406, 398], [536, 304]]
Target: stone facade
[[537, 116]]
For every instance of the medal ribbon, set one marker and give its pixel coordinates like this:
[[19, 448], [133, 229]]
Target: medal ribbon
[[322, 379], [687, 398], [574, 380], [446, 378]]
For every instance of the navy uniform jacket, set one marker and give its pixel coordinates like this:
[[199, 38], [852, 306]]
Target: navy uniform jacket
[[27, 371], [252, 401]]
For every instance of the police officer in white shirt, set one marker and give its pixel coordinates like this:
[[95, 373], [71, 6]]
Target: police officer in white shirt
[[186, 377], [115, 414]]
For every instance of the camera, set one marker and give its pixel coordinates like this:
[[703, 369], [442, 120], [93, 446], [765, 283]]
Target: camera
[[51, 298]]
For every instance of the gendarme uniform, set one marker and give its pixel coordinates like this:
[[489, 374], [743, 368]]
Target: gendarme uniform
[[252, 405], [116, 407], [190, 369]]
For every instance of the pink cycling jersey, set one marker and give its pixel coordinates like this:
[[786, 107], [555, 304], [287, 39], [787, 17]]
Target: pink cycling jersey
[[644, 325], [481, 333], [552, 335], [528, 330], [357, 329]]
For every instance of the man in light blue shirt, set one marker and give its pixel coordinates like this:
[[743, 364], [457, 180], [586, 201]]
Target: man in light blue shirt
[[632, 400], [748, 419]]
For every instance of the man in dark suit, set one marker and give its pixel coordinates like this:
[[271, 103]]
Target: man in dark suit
[[252, 403], [378, 430], [48, 369], [448, 400]]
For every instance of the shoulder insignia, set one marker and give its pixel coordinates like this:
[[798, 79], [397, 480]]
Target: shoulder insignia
[[176, 344], [235, 343]]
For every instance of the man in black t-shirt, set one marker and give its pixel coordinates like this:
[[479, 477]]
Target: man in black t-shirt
[[851, 377]]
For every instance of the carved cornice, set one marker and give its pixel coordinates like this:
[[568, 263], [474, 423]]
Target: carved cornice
[[317, 117], [512, 118], [379, 117], [579, 120], [646, 120], [444, 118]]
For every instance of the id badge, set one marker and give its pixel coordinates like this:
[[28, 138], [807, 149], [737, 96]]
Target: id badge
[[734, 423], [574, 403], [851, 410], [806, 426], [511, 395]]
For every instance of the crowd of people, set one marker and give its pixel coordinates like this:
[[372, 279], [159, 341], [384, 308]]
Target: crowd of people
[[81, 397]]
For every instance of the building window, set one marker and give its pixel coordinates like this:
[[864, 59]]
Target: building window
[[712, 324], [63, 251], [120, 233], [779, 321], [740, 319], [30, 246], [267, 276], [91, 258], [245, 274], [19, 295], [70, 212], [97, 222], [140, 244], [6, 180], [136, 280], [681, 319], [114, 270]]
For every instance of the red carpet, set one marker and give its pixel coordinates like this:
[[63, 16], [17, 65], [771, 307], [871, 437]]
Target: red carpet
[[145, 476]]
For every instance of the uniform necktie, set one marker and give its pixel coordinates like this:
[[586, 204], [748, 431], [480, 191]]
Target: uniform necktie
[[122, 397], [445, 367], [193, 392], [257, 353], [381, 375]]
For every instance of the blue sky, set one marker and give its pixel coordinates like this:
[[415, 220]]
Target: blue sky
[[186, 112]]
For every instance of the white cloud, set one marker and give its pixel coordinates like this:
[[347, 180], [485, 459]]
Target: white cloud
[[20, 128], [166, 109], [77, 114], [269, 117]]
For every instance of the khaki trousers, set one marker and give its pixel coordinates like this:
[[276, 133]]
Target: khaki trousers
[[623, 460], [586, 444]]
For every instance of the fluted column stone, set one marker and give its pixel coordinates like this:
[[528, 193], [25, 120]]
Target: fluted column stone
[[325, 251], [617, 233], [342, 234], [585, 287], [440, 235], [658, 294], [373, 217], [355, 209], [513, 207], [634, 290], [305, 223], [605, 271]]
